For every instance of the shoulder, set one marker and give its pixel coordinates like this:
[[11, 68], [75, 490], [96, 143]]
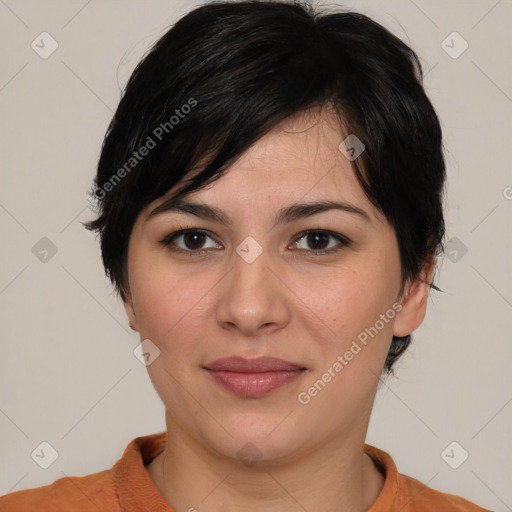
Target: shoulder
[[420, 497], [406, 494], [110, 489], [68, 494]]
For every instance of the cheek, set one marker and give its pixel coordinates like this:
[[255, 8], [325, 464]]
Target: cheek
[[174, 305], [352, 300], [358, 309], [164, 303], [170, 310]]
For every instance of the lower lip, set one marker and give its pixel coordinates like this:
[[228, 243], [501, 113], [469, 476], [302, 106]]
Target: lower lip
[[254, 385]]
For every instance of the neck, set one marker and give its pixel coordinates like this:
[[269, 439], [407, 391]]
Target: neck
[[339, 476]]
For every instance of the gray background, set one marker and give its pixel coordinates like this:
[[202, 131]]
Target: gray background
[[68, 373]]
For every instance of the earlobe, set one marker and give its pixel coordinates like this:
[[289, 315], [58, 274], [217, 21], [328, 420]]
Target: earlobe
[[130, 312], [414, 302]]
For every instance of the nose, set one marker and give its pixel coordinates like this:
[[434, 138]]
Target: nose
[[253, 300]]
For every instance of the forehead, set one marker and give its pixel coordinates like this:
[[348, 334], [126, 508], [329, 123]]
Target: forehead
[[299, 161], [307, 140]]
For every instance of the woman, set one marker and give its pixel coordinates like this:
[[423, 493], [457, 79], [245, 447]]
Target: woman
[[269, 195]]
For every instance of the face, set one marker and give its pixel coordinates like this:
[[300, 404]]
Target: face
[[256, 275]]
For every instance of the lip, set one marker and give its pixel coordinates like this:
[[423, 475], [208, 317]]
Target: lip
[[253, 378]]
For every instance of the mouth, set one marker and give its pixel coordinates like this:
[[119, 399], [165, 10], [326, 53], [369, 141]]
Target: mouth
[[253, 378]]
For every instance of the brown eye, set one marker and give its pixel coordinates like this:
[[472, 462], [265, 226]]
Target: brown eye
[[318, 240], [189, 240], [194, 240], [321, 241]]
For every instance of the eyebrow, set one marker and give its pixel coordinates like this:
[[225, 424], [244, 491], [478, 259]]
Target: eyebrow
[[287, 214]]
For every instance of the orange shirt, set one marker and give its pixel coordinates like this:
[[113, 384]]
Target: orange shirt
[[127, 487]]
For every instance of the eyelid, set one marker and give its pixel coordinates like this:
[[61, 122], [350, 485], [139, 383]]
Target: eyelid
[[342, 239], [168, 239]]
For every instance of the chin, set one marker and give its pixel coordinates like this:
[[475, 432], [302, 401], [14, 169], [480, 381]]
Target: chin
[[257, 439]]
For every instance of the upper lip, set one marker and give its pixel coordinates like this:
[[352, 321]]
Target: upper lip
[[255, 365]]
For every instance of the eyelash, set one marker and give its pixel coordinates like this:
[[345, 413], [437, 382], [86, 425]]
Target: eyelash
[[169, 240]]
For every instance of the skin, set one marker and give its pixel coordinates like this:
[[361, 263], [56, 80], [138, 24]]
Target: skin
[[289, 303]]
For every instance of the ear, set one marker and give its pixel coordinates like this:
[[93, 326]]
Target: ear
[[130, 311], [414, 302]]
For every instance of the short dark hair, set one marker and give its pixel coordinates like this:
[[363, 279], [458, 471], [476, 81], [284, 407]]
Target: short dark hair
[[227, 73]]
